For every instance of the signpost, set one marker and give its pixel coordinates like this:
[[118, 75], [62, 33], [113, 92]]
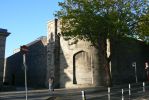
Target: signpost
[[24, 50]]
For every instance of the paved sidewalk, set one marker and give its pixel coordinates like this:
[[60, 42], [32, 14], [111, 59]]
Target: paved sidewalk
[[144, 96], [100, 93], [92, 93]]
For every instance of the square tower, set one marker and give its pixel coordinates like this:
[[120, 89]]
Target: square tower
[[72, 63]]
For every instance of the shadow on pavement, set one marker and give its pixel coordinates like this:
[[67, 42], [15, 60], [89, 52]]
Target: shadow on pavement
[[53, 98]]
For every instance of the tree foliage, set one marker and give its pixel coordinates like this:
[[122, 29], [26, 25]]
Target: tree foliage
[[97, 20], [87, 19], [143, 27]]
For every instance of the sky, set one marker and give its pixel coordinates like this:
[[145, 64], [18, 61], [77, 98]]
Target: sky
[[26, 20]]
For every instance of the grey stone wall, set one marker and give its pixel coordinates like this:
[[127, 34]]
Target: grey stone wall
[[77, 65], [50, 50], [3, 35], [124, 53], [74, 65], [36, 60]]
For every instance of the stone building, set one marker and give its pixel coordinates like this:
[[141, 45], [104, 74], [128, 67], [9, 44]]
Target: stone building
[[72, 65], [3, 34], [36, 65], [127, 52], [76, 64]]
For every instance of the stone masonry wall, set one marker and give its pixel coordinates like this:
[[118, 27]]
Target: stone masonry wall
[[2, 53], [36, 60], [124, 53], [74, 60], [3, 35], [78, 63], [50, 50]]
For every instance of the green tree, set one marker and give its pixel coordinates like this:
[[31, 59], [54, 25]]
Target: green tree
[[143, 27], [99, 20]]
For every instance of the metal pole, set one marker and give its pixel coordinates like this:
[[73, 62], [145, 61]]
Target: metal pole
[[122, 94], [129, 89], [136, 74], [109, 93], [108, 90], [92, 71], [135, 66], [108, 96], [83, 95], [25, 67], [143, 86]]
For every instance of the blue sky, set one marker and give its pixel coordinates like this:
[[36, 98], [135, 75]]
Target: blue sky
[[26, 20]]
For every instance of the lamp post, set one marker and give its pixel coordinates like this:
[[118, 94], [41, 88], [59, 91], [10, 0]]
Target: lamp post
[[135, 67], [24, 50]]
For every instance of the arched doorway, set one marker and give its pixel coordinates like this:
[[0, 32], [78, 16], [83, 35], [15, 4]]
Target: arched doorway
[[82, 72]]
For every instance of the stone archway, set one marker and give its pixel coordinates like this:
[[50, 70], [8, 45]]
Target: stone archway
[[82, 73]]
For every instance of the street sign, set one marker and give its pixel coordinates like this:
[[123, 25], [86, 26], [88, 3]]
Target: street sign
[[134, 64], [24, 49]]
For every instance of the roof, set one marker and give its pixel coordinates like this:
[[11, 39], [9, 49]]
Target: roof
[[31, 43], [35, 41], [4, 32]]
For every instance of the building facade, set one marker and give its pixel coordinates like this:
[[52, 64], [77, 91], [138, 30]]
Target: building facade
[[75, 64], [3, 34], [36, 63], [72, 64]]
